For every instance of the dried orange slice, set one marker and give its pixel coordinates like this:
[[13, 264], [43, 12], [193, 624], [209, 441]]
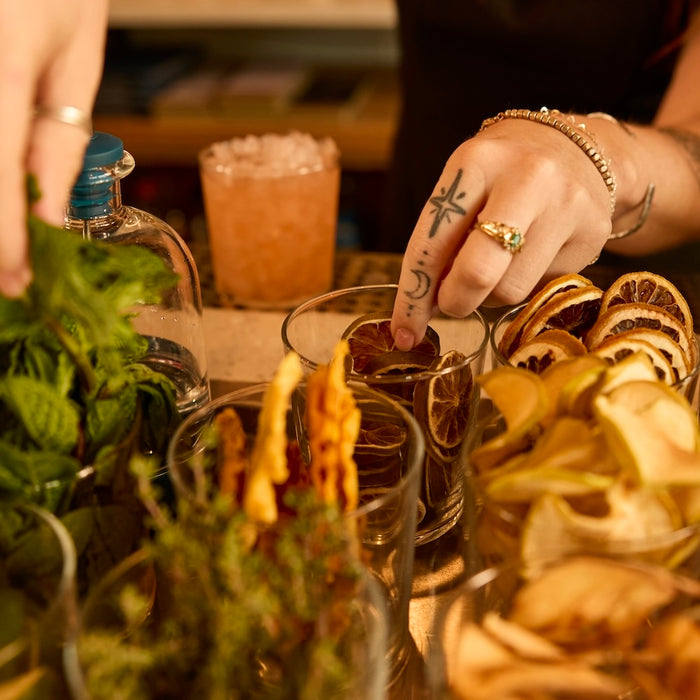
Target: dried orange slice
[[648, 288], [625, 317], [380, 438], [511, 338], [397, 364], [370, 335], [574, 311], [545, 349], [666, 355], [442, 404]]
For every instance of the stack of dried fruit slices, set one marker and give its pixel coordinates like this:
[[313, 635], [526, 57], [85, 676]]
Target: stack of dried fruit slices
[[570, 316]]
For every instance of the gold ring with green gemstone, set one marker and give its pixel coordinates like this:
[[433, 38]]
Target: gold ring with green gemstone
[[510, 237]]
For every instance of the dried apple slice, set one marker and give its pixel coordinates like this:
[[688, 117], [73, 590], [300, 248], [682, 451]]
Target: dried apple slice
[[635, 525], [656, 444], [559, 463], [576, 373], [521, 398], [634, 367], [583, 599]]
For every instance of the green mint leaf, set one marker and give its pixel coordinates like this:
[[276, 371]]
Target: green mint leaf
[[51, 420]]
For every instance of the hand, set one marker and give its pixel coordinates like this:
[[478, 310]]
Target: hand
[[51, 54], [524, 175]]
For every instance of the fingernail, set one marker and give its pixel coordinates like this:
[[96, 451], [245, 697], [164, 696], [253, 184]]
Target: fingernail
[[404, 339], [13, 284]]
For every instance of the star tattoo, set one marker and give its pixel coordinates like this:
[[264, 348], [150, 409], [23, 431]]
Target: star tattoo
[[446, 203]]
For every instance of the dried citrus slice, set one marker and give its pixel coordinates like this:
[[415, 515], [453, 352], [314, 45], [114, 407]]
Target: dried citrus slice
[[574, 311], [545, 349], [511, 337], [380, 438], [442, 404], [401, 366], [648, 288], [625, 317], [370, 335], [617, 347]]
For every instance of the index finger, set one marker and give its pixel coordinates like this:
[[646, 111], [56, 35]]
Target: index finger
[[15, 118], [439, 233]]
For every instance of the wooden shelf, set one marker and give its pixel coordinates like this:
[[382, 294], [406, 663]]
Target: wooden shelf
[[363, 144], [363, 128], [374, 14]]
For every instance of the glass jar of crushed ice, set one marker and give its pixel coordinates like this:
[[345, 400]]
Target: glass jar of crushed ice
[[174, 326]]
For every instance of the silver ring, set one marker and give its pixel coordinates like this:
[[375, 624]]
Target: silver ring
[[66, 114]]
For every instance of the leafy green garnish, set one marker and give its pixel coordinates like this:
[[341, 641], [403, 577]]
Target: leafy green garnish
[[235, 614], [76, 400], [71, 384]]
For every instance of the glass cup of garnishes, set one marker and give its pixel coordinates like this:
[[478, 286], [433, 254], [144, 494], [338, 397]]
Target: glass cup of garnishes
[[37, 601], [434, 381], [583, 458], [583, 626], [389, 455], [321, 461], [570, 316]]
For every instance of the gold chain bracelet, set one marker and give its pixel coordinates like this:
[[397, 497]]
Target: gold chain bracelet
[[587, 145]]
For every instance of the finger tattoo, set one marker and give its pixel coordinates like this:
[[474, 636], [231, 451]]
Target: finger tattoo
[[446, 203], [423, 284]]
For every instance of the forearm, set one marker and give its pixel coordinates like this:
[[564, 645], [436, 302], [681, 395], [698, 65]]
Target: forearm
[[667, 157]]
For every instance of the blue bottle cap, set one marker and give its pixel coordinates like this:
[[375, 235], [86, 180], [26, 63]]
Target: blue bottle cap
[[92, 194], [102, 150]]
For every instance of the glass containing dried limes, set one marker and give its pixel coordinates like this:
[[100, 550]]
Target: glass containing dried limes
[[434, 381], [583, 627], [570, 316]]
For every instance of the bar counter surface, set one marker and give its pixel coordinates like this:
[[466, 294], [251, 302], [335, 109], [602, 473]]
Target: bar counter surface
[[244, 346]]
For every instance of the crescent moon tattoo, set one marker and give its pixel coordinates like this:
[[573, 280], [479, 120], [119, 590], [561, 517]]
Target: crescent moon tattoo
[[422, 285]]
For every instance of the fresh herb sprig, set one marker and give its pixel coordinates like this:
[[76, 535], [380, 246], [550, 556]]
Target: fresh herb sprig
[[75, 401], [235, 616]]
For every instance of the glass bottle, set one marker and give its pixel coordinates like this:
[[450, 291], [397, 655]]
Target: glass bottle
[[173, 327]]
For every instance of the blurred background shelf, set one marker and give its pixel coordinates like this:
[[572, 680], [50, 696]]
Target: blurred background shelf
[[181, 74], [177, 124], [308, 13]]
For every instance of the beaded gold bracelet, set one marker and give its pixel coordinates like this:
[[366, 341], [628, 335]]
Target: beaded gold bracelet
[[550, 118]]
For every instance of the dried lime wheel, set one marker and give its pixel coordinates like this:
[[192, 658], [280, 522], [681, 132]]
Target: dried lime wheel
[[443, 404]]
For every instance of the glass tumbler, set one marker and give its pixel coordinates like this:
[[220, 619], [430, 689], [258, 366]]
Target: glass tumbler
[[271, 205], [388, 482], [441, 395]]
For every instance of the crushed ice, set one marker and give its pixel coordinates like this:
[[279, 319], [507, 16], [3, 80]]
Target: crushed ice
[[271, 155]]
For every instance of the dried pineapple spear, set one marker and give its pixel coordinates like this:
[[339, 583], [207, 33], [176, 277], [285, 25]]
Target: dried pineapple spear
[[333, 425], [232, 456], [268, 462]]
